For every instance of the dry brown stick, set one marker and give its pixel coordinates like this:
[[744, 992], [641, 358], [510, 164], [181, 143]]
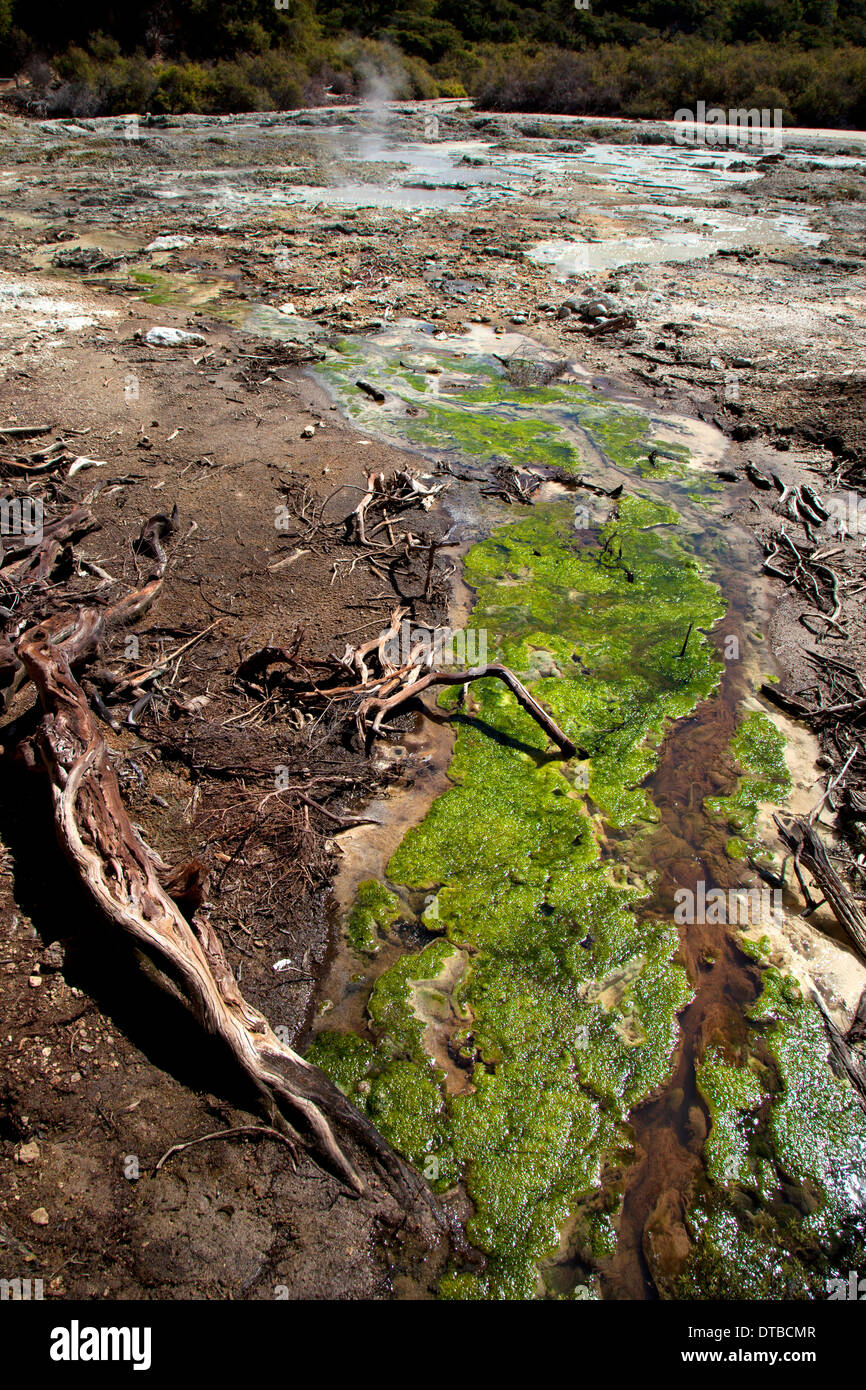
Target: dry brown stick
[[849, 1060], [521, 694], [146, 673], [832, 784], [805, 842], [355, 519]]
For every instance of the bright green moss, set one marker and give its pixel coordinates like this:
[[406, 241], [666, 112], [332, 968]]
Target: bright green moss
[[485, 438], [732, 1095], [613, 620], [178, 290], [346, 1058], [758, 747], [817, 1125], [740, 1251], [374, 909], [405, 1103], [391, 1008], [802, 1156]]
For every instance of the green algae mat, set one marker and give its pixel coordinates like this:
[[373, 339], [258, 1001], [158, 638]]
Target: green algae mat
[[509, 1051], [444, 398]]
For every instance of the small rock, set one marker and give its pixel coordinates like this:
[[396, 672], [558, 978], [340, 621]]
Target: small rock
[[172, 337], [599, 307], [40, 1217], [35, 981], [308, 431], [52, 956], [169, 243], [28, 1153]]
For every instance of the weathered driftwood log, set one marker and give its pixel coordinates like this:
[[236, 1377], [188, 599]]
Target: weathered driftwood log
[[806, 844], [121, 873]]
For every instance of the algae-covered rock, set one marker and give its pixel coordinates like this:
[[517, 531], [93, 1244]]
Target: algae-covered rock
[[758, 747], [374, 909], [732, 1095]]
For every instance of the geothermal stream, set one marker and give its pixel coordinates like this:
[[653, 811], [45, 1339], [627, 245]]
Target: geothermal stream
[[687, 844]]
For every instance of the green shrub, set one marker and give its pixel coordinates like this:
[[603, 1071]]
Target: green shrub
[[182, 88], [230, 89], [450, 87]]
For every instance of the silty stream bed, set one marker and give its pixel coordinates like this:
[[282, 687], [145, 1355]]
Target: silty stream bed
[[630, 1106]]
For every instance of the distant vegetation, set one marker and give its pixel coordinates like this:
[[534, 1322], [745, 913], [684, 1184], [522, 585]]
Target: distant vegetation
[[619, 57]]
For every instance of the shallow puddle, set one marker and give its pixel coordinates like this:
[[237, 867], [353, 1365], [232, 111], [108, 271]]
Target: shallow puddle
[[713, 232]]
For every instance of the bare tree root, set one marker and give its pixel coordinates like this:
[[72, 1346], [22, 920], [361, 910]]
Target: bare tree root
[[379, 707], [379, 685], [122, 874]]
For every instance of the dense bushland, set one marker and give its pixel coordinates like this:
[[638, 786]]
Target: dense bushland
[[622, 57]]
